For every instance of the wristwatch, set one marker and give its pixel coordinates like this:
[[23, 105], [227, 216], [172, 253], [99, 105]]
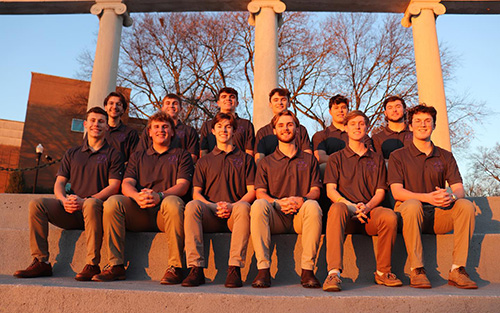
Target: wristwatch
[[454, 197], [160, 194]]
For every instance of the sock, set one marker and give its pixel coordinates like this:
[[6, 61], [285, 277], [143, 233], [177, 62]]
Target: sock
[[334, 271], [454, 266], [379, 273]]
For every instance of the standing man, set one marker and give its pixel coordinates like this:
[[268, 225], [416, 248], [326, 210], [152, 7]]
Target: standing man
[[334, 138], [266, 141], [356, 181], [154, 181], [94, 170], [186, 136], [287, 184], [244, 135], [120, 136], [223, 188], [396, 134], [418, 174]]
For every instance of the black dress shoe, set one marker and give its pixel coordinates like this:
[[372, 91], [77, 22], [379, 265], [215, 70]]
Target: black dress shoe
[[233, 279], [195, 277], [263, 279], [308, 280]]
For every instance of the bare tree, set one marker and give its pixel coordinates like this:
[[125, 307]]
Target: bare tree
[[484, 177]]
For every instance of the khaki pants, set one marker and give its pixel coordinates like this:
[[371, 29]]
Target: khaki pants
[[433, 220], [45, 210], [123, 213], [383, 223], [199, 218], [266, 220]]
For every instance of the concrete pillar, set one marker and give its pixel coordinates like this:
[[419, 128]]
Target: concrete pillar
[[264, 15], [421, 15], [112, 15]]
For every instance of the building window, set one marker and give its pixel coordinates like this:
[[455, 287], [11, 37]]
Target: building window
[[77, 125]]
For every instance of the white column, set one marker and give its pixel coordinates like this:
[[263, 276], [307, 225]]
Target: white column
[[112, 15], [421, 15], [264, 15]]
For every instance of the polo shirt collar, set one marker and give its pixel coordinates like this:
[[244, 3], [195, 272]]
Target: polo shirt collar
[[152, 151], [86, 147], [278, 155], [350, 153], [119, 127], [415, 152], [218, 151], [179, 124], [389, 131]]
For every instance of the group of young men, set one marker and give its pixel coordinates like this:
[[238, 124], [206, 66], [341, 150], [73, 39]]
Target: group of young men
[[256, 186]]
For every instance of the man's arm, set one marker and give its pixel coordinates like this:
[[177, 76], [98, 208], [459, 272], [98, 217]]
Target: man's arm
[[333, 194], [249, 152], [375, 200], [258, 157], [198, 195], [439, 197], [321, 156], [112, 189], [71, 203]]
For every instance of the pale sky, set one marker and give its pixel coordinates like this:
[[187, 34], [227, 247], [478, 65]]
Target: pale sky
[[51, 44]]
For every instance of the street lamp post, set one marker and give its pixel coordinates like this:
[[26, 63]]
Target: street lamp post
[[39, 151]]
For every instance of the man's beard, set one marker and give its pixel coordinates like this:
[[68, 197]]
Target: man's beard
[[399, 120], [291, 139]]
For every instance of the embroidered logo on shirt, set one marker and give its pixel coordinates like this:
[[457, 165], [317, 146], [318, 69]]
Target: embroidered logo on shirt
[[172, 159], [438, 166], [101, 158], [371, 166], [237, 162], [302, 165], [180, 133], [121, 137]]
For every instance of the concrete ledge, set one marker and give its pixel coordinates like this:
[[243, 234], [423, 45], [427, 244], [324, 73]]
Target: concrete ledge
[[68, 295], [146, 255]]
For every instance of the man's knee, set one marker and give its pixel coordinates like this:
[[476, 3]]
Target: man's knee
[[337, 211], [411, 208], [36, 206], [388, 218], [113, 205], [193, 208], [241, 209], [311, 208], [465, 207], [172, 205], [259, 208], [92, 207]]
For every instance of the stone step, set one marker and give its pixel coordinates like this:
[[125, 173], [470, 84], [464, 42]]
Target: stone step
[[14, 212], [64, 294], [146, 255]]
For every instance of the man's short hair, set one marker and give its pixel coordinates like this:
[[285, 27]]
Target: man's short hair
[[123, 100], [354, 114], [280, 91], [97, 110], [228, 90], [172, 96], [338, 99], [161, 116], [392, 99], [422, 108], [223, 116], [275, 119]]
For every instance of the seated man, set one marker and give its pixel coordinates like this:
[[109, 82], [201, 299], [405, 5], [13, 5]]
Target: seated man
[[120, 136], [186, 136], [287, 185], [396, 134], [222, 192], [356, 180], [94, 170], [418, 174], [266, 141], [153, 183], [244, 135]]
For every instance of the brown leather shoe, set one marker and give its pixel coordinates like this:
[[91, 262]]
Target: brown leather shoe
[[263, 279], [195, 278], [388, 279], [110, 273], [418, 278], [233, 278], [88, 272], [36, 269], [459, 278], [172, 276], [332, 283], [308, 280]]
